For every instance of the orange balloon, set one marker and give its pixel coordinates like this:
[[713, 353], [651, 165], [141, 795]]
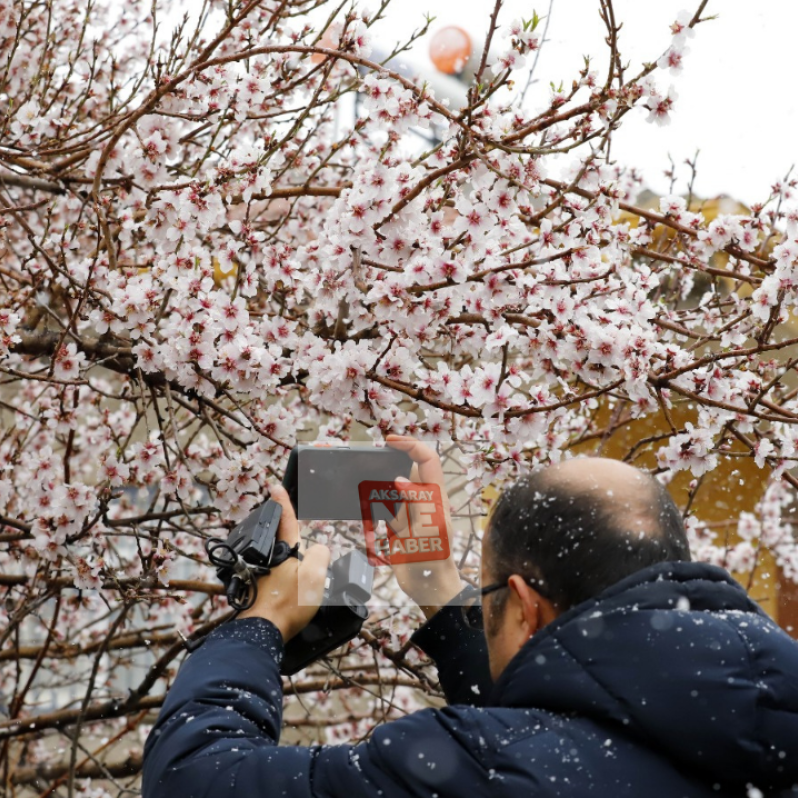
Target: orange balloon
[[450, 50], [327, 40]]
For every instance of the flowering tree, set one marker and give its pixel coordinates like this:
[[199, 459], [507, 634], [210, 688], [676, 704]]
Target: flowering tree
[[201, 263]]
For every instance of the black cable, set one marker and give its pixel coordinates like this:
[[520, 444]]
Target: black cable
[[242, 587]]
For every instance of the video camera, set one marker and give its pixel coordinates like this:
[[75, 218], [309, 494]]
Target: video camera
[[329, 473], [252, 550]]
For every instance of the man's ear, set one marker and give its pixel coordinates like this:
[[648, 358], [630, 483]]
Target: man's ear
[[528, 605]]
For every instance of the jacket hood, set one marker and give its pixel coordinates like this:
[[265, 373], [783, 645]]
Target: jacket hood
[[680, 658]]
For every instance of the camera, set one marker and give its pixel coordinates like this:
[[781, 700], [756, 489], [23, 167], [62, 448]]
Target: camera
[[322, 478], [252, 550], [340, 617]]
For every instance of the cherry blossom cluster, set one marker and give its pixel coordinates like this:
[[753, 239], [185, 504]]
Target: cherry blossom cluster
[[768, 529], [523, 40], [204, 260]]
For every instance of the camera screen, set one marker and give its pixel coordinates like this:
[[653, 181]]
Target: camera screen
[[328, 479]]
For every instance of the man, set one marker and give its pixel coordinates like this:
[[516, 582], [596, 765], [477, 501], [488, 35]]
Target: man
[[610, 665]]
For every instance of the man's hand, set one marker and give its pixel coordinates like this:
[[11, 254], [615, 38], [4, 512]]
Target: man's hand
[[433, 583], [291, 594]]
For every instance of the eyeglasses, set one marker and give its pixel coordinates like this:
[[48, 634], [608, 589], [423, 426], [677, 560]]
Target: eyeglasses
[[471, 600]]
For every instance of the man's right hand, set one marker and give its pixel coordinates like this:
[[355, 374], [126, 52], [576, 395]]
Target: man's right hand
[[432, 583], [292, 593]]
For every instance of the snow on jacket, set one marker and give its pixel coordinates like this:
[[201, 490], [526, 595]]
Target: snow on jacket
[[671, 683]]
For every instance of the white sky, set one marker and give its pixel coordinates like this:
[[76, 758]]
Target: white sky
[[737, 102]]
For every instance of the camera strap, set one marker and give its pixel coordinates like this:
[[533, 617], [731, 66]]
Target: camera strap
[[245, 574], [282, 551]]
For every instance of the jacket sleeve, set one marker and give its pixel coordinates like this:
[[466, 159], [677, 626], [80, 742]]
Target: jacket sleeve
[[217, 734], [460, 654]]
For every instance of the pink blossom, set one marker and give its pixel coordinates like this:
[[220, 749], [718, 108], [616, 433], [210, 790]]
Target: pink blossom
[[509, 60], [691, 449], [673, 59], [660, 107], [680, 28], [673, 206], [115, 472], [763, 449], [88, 575], [68, 362]]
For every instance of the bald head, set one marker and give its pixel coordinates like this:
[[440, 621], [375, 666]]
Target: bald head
[[580, 526], [629, 496], [599, 473]]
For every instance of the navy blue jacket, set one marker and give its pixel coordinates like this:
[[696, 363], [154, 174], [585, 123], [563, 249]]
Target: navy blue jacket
[[671, 683]]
